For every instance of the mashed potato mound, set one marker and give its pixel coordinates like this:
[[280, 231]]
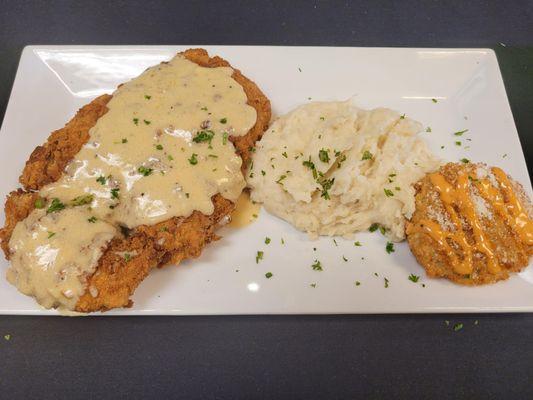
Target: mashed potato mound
[[331, 168]]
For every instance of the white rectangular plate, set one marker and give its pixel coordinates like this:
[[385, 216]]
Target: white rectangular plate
[[52, 82]]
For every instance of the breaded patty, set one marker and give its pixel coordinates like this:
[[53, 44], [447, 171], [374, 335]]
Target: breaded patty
[[473, 237], [168, 242]]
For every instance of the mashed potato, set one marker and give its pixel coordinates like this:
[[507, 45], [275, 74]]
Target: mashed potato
[[331, 168]]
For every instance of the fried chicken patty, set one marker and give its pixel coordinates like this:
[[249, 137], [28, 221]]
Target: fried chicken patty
[[451, 222], [168, 242]]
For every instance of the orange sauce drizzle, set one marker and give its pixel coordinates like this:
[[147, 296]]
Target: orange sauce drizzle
[[503, 200], [517, 217], [459, 196]]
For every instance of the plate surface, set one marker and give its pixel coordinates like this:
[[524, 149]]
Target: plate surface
[[52, 82]]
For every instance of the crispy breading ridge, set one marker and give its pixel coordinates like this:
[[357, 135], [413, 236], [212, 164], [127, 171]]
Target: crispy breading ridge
[[171, 241], [512, 254]]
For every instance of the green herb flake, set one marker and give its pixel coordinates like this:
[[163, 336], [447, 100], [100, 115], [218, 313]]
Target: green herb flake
[[280, 179], [101, 180], [402, 116], [269, 275], [204, 136], [259, 256], [147, 97], [267, 240], [159, 147], [434, 100], [313, 285], [385, 282], [317, 266], [413, 278], [323, 155], [170, 158], [388, 192], [389, 248], [458, 327], [51, 234], [345, 259], [145, 171], [374, 227], [357, 283], [146, 122], [193, 160], [284, 154], [465, 160], [322, 118], [203, 108], [92, 220], [309, 164], [223, 120], [124, 140], [127, 257], [458, 143], [136, 121], [282, 241], [367, 155], [428, 129], [335, 242], [263, 173], [326, 185], [225, 138], [357, 244], [114, 193], [82, 200], [55, 206], [460, 133], [39, 203]]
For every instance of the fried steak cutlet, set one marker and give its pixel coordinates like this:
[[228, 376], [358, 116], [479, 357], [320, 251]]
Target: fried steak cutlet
[[168, 242], [472, 225]]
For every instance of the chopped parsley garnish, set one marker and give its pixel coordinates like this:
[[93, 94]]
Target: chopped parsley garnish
[[159, 147], [458, 327], [51, 234], [465, 160], [127, 257], [204, 136], [397, 188], [428, 129], [413, 278], [92, 220], [267, 240], [402, 116], [367, 155], [223, 120], [389, 248], [136, 121], [280, 179], [458, 143], [101, 180], [193, 160], [284, 154], [147, 97], [124, 140], [460, 133], [82, 200], [170, 158], [146, 122], [39, 203], [269, 275], [388, 192], [358, 244], [203, 108], [224, 137], [263, 173], [55, 206], [326, 185], [322, 118], [317, 266], [282, 241], [313, 285], [374, 227], [434, 100], [386, 282], [145, 171], [357, 283], [345, 259], [259, 256], [323, 155], [309, 164], [215, 156], [114, 193]]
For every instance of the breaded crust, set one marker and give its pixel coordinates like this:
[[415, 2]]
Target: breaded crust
[[511, 253], [171, 241]]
